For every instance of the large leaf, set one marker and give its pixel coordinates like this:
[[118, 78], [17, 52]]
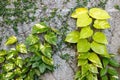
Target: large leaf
[[11, 40], [82, 62], [9, 66], [51, 38], [83, 55], [46, 50], [83, 45], [103, 72], [48, 61], [39, 28], [86, 32], [21, 48], [84, 69], [84, 20], [31, 39], [72, 37], [78, 12], [100, 49], [93, 68], [3, 52], [95, 60], [100, 38], [98, 13], [101, 24]]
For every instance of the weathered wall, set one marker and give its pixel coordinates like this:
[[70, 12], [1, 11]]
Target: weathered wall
[[65, 70]]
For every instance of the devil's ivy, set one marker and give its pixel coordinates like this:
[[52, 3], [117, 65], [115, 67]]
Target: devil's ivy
[[15, 67], [94, 61]]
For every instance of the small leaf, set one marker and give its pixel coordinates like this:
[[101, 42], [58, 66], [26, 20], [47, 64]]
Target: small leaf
[[112, 71], [21, 48], [78, 12], [51, 38], [100, 38], [48, 61], [2, 59], [42, 68], [34, 48], [101, 24], [9, 75], [31, 39], [3, 52], [105, 62], [114, 63], [72, 37], [86, 32], [95, 60], [104, 77], [11, 40], [100, 49], [84, 20], [19, 62], [35, 65], [93, 68], [46, 50], [84, 69], [98, 13], [82, 62], [83, 55], [83, 45], [103, 72], [39, 28], [7, 67]]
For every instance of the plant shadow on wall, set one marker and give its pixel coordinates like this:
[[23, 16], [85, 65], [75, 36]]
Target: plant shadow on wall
[[94, 61], [38, 44]]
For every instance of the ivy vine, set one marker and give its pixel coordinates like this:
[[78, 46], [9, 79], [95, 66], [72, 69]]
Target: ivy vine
[[38, 45], [94, 61]]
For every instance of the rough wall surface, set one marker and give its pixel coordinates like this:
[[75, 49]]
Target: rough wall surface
[[65, 70]]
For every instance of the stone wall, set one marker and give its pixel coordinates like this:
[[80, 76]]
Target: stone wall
[[65, 70]]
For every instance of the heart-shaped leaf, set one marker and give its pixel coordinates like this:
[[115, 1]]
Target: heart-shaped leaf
[[39, 28], [100, 38], [78, 12], [82, 62], [114, 63], [98, 13], [34, 48], [100, 49], [101, 24], [103, 72], [3, 52], [11, 54], [51, 38], [19, 62], [83, 55], [83, 45], [48, 61], [86, 32], [42, 68], [2, 59], [105, 62], [72, 37], [11, 40], [95, 60], [112, 71], [84, 69], [9, 66], [93, 68], [21, 48]]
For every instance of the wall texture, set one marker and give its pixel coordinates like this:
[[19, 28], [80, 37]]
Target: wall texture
[[65, 69]]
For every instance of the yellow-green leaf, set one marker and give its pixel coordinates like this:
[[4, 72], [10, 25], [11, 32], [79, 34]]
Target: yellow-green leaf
[[72, 37], [2, 59], [86, 32], [21, 48], [93, 68], [98, 13], [100, 38], [83, 45], [82, 62], [3, 52], [48, 61], [84, 20], [9, 66], [83, 55], [11, 40], [101, 24], [78, 12], [100, 49], [95, 60]]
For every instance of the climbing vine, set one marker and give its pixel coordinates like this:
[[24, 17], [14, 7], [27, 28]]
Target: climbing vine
[[38, 44], [94, 61]]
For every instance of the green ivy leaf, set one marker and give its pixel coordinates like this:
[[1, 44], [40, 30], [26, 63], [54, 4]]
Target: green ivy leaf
[[84, 69], [100, 49], [17, 71], [100, 38], [19, 62], [95, 60], [112, 71], [3, 52], [48, 61], [31, 39], [34, 48], [35, 65], [78, 12], [114, 63], [39, 28], [103, 72], [21, 48], [51, 38], [104, 77], [11, 40], [2, 59], [86, 32], [46, 50], [8, 67], [72, 37], [83, 20], [83, 55], [82, 62], [93, 68], [42, 68], [105, 62], [9, 76], [83, 45], [98, 13], [101, 24], [91, 76]]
